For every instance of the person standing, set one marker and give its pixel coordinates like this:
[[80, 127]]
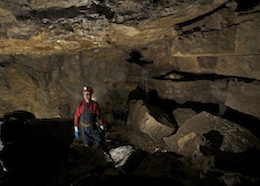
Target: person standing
[[88, 114]]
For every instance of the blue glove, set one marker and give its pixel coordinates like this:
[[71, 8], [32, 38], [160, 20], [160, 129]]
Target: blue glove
[[102, 127], [76, 132]]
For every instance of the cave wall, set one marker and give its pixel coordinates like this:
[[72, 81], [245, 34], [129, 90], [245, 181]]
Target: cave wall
[[201, 51], [51, 86]]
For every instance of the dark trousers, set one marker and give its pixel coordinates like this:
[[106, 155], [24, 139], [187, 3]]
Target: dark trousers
[[90, 134]]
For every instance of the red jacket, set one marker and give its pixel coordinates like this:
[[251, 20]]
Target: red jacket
[[93, 108]]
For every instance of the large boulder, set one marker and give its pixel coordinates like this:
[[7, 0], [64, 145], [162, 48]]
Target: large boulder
[[194, 131], [212, 144], [142, 119]]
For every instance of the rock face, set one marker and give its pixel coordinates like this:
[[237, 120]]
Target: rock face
[[49, 50], [234, 138], [144, 122], [196, 63], [205, 149]]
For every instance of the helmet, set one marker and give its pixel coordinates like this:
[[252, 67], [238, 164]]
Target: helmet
[[87, 89]]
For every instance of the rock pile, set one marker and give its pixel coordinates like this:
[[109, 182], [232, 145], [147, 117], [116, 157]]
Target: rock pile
[[204, 149]]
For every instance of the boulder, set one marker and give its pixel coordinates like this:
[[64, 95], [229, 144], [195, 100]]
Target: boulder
[[189, 144], [166, 168], [182, 114], [235, 138], [142, 119]]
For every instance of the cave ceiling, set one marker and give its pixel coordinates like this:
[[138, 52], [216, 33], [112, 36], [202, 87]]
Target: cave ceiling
[[52, 27], [182, 35]]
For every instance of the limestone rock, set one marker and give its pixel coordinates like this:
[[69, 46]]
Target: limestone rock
[[189, 144], [151, 166], [235, 138], [240, 98], [6, 16], [143, 121], [228, 92], [121, 154], [50, 43], [182, 114], [203, 52], [196, 91]]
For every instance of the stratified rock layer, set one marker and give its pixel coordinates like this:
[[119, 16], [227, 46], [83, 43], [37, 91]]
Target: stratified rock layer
[[50, 49]]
